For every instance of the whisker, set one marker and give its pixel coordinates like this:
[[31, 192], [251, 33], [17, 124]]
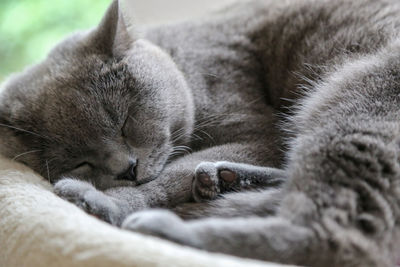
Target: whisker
[[208, 135], [179, 151], [209, 74], [196, 137], [28, 152], [201, 125], [132, 118], [178, 134], [48, 170], [22, 130], [185, 148]]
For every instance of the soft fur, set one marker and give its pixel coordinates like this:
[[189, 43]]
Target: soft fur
[[106, 98]]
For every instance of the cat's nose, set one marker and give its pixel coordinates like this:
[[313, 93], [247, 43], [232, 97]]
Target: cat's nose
[[130, 173]]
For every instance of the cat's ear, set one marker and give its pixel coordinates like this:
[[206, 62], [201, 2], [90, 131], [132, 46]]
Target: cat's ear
[[114, 34]]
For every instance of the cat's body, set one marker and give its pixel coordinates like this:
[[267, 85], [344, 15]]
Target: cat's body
[[339, 60]]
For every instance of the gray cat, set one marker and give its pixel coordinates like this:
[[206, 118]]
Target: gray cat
[[112, 111], [109, 111]]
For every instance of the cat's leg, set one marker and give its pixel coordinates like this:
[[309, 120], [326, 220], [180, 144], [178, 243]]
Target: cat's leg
[[172, 187], [95, 202], [272, 239], [214, 178], [262, 238]]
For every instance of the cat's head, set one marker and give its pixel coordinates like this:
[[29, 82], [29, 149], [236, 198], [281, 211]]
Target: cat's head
[[102, 102]]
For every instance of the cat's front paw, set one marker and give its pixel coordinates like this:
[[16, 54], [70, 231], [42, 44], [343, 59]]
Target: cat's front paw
[[89, 199], [163, 224], [211, 179]]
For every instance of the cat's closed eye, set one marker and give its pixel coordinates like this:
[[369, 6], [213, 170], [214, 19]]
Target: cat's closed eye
[[82, 167], [124, 130]]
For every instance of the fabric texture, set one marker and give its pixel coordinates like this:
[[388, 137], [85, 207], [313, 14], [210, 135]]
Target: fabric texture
[[38, 229]]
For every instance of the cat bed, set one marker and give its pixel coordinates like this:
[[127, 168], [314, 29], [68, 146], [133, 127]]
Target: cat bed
[[38, 229]]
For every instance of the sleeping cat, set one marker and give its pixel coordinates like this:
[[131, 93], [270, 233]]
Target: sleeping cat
[[110, 110]]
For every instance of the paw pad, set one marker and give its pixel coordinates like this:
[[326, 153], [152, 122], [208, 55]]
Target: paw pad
[[205, 179], [228, 176], [212, 179]]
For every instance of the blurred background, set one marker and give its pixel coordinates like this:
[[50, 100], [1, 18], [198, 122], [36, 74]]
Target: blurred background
[[29, 28]]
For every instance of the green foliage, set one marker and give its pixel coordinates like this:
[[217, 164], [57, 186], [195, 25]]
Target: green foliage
[[29, 28]]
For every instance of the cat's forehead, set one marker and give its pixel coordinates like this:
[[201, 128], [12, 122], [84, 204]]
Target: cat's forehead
[[97, 94], [90, 96]]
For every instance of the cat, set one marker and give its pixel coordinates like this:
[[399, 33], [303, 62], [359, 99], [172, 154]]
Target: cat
[[107, 107], [111, 110], [106, 113]]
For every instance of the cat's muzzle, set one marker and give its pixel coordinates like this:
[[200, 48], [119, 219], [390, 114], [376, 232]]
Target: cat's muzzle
[[129, 174]]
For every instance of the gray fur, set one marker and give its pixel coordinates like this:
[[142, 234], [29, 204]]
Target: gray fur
[[216, 85]]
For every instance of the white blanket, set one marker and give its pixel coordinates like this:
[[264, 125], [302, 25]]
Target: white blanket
[[38, 229]]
